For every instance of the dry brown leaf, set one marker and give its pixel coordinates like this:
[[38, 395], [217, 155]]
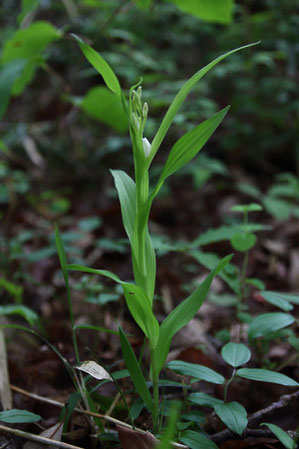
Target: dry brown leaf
[[130, 439], [53, 432]]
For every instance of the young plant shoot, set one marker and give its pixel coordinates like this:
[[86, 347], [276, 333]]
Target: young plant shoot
[[136, 198]]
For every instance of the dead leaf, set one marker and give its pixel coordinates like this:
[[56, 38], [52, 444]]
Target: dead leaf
[[130, 439], [53, 432], [95, 370]]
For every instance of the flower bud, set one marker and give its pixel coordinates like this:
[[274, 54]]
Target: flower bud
[[135, 121], [144, 111], [146, 147]]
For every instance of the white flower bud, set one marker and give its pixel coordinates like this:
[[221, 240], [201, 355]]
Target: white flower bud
[[146, 147], [144, 111]]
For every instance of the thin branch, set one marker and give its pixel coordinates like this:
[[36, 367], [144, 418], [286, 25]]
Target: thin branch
[[38, 438]]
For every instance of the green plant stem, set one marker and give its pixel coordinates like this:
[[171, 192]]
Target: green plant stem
[[155, 379], [228, 384]]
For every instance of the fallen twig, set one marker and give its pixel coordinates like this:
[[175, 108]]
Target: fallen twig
[[39, 439], [86, 412]]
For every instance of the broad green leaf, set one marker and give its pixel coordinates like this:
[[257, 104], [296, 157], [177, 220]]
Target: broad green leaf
[[282, 436], [103, 105], [24, 311], [189, 145], [235, 354], [18, 416], [137, 301], [277, 299], [179, 99], [280, 209], [233, 415], [265, 375], [214, 235], [245, 208], [266, 323], [218, 11], [126, 190], [135, 370], [197, 440], [145, 4], [8, 74], [204, 399], [196, 371], [183, 313], [29, 44], [28, 7], [101, 66], [243, 241]]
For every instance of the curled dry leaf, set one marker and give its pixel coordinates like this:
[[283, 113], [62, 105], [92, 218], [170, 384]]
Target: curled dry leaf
[[130, 439], [95, 370]]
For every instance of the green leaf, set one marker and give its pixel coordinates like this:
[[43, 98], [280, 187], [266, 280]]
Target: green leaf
[[235, 354], [179, 99], [196, 371], [30, 316], [183, 313], [204, 399], [282, 436], [144, 4], [135, 370], [265, 375], [103, 105], [277, 299], [266, 323], [169, 431], [243, 241], [137, 301], [233, 415], [99, 63], [9, 73], [28, 7], [18, 416], [217, 11], [126, 190], [196, 440], [189, 145], [245, 208], [290, 297], [29, 44]]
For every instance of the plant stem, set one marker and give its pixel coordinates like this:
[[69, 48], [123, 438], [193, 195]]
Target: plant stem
[[155, 378], [228, 384]]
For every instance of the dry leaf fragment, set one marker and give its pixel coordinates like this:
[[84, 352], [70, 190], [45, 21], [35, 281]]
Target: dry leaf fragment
[[53, 432], [130, 439], [95, 370]]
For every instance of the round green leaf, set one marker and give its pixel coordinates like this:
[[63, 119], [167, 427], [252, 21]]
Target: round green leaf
[[233, 415], [265, 375], [235, 354], [196, 371], [243, 241], [269, 322]]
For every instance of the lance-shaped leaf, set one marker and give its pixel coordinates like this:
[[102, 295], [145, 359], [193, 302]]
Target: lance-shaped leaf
[[265, 375], [189, 145], [126, 189], [135, 370], [266, 323], [137, 300], [180, 97], [282, 436], [101, 66], [197, 440], [183, 313], [196, 371]]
